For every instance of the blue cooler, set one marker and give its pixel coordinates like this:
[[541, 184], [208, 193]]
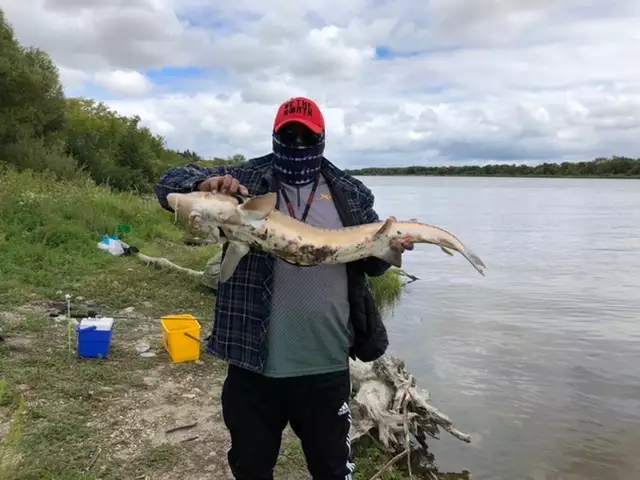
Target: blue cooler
[[94, 337]]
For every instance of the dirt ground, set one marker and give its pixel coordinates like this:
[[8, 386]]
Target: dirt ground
[[112, 418]]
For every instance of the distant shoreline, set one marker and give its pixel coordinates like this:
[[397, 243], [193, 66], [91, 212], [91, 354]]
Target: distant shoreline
[[586, 177], [614, 167]]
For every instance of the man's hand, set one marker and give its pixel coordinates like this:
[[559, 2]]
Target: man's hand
[[226, 184], [402, 244]]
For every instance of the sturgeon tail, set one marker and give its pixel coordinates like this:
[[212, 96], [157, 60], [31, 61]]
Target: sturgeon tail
[[473, 259], [423, 233]]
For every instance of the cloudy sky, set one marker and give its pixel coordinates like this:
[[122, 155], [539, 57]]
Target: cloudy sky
[[400, 82]]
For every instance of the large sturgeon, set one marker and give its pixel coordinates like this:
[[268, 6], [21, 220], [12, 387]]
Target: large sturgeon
[[255, 223]]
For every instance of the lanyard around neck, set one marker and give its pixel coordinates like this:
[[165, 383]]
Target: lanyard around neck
[[309, 200]]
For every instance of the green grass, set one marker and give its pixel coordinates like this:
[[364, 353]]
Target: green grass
[[48, 243], [65, 418], [386, 289], [292, 466]]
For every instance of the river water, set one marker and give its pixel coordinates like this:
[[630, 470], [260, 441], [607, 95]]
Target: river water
[[540, 360]]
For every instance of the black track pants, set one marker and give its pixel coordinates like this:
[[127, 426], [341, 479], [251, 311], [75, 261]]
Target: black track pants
[[256, 409]]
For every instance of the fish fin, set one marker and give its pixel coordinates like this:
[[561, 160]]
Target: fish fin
[[260, 206], [385, 227], [214, 234], [391, 256], [220, 240], [471, 257], [474, 260], [233, 255], [448, 252]]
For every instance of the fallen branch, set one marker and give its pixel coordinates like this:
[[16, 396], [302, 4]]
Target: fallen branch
[[163, 262], [181, 427], [389, 463], [209, 276], [93, 460], [402, 273]]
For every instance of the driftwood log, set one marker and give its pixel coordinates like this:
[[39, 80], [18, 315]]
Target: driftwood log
[[387, 406]]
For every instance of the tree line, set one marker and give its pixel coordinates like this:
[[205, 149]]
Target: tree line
[[599, 167], [41, 129]]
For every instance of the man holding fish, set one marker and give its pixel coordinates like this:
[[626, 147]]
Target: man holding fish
[[287, 332]]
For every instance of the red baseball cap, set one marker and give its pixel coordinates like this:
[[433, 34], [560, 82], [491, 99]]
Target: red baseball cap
[[300, 109]]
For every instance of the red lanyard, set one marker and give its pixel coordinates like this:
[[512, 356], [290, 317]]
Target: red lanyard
[[309, 200]]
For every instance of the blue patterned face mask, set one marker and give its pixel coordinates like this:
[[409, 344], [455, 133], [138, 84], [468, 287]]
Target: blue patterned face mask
[[297, 153]]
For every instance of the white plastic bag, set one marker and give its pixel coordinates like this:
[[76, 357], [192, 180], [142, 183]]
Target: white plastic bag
[[111, 245]]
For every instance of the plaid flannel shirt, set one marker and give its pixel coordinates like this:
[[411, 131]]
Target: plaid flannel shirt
[[243, 302]]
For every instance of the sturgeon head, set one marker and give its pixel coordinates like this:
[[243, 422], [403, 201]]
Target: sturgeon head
[[215, 214], [204, 212]]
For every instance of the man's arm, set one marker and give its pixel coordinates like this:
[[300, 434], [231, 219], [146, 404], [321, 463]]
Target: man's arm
[[372, 266], [186, 179]]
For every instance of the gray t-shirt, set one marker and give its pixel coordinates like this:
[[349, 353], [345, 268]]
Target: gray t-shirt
[[308, 330]]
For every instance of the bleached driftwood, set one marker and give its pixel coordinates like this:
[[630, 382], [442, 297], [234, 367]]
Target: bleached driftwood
[[390, 408], [387, 406], [209, 276], [374, 381], [164, 262]]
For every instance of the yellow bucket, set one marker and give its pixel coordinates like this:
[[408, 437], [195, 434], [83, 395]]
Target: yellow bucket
[[181, 337]]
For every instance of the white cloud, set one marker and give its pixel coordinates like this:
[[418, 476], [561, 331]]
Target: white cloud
[[127, 83], [481, 81]]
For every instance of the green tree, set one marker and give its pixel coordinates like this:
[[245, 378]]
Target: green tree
[[32, 107], [42, 130], [599, 167], [190, 156], [116, 150]]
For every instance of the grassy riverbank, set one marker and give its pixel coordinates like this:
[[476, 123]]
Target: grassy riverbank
[[64, 418]]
